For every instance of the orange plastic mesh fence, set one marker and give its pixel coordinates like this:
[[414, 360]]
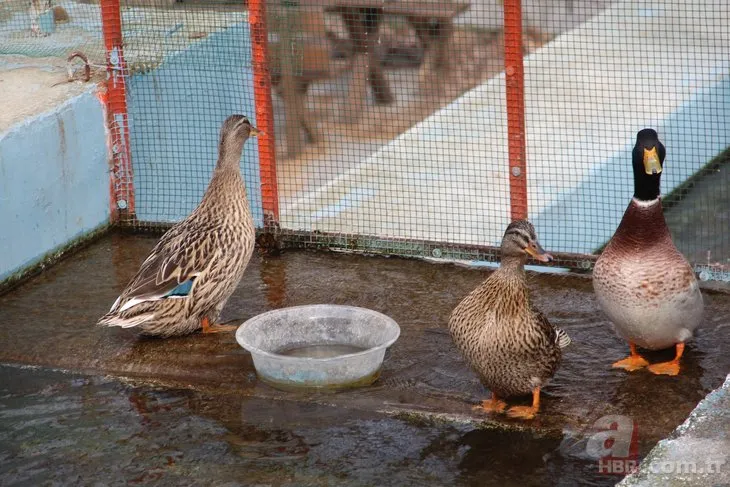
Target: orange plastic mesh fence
[[412, 128]]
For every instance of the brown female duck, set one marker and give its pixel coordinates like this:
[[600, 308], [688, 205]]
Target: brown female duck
[[186, 280], [506, 340], [643, 283]]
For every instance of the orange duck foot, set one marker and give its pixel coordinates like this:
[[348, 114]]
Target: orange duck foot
[[665, 368], [493, 405], [526, 412], [216, 328], [522, 412], [671, 367], [632, 362]]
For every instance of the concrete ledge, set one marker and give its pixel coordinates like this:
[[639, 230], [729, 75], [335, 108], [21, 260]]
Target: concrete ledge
[[697, 453], [54, 181]]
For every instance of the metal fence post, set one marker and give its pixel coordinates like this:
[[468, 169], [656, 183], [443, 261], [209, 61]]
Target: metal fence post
[[122, 175], [515, 83], [264, 111]]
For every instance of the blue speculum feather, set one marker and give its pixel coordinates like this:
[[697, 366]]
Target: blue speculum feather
[[181, 290]]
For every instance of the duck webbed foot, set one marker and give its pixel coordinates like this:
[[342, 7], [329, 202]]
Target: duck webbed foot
[[671, 367], [632, 362], [491, 405], [209, 327], [526, 412]]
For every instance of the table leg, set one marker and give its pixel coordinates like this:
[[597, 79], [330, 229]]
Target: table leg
[[378, 82], [362, 25], [358, 89], [288, 88], [435, 36], [294, 112], [308, 125]]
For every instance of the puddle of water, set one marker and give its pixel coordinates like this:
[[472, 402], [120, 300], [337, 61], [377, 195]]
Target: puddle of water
[[327, 350], [67, 428], [335, 438]]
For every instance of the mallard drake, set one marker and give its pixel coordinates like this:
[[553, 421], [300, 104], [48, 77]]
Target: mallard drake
[[511, 345], [195, 267], [643, 283]]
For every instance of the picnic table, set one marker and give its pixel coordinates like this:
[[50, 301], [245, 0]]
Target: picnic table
[[431, 20], [433, 23]]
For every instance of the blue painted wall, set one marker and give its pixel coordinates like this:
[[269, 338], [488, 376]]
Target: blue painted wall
[[175, 114], [54, 181]]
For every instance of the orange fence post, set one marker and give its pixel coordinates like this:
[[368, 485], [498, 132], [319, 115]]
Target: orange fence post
[[515, 80], [264, 111], [122, 176]]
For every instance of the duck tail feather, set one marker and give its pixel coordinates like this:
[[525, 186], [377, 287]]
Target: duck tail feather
[[128, 322], [562, 338]]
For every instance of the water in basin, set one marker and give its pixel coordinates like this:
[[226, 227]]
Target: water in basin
[[324, 350]]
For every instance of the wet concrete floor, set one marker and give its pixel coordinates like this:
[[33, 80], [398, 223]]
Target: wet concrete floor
[[190, 411]]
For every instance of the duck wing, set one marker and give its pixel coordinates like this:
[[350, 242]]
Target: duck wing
[[553, 333], [168, 272]]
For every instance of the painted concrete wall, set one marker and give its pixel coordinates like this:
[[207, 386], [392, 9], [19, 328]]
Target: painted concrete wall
[[54, 181], [175, 114], [587, 93]]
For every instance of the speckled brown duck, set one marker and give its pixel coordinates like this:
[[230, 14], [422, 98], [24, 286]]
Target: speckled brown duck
[[643, 283], [186, 280], [511, 345]]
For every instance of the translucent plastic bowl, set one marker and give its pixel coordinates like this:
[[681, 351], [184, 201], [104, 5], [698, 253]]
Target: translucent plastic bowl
[[322, 333]]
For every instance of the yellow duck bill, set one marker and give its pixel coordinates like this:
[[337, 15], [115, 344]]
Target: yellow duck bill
[[651, 161]]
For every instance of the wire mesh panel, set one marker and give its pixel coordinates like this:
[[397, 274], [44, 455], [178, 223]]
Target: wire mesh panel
[[397, 143], [426, 154], [188, 66], [421, 127], [50, 28], [613, 69]]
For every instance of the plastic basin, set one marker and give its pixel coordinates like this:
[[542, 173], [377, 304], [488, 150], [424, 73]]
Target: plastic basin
[[343, 346]]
